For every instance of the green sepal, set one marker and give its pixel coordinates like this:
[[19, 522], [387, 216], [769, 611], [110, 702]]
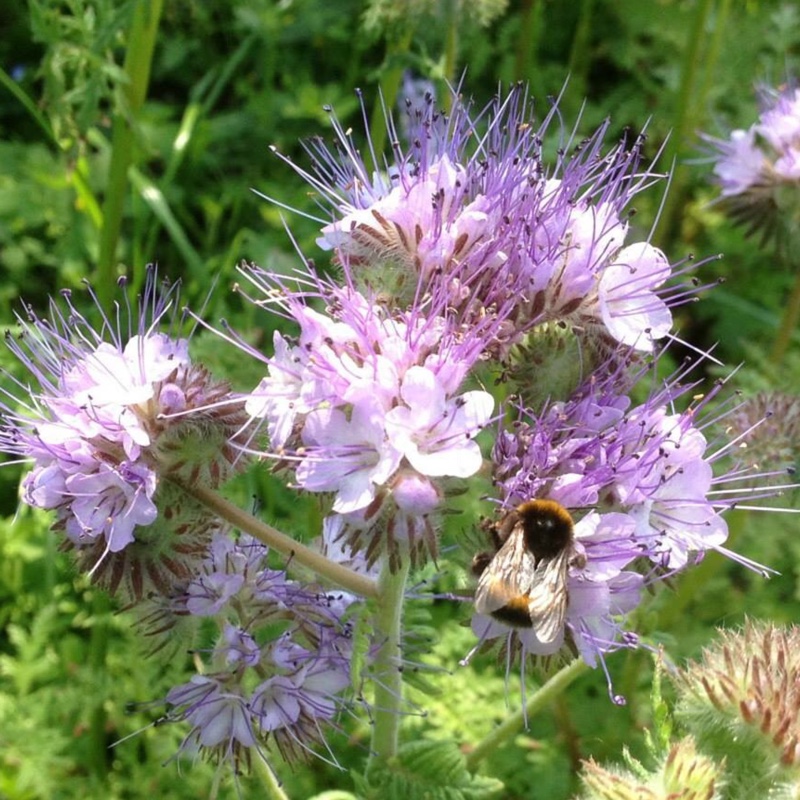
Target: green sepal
[[548, 365]]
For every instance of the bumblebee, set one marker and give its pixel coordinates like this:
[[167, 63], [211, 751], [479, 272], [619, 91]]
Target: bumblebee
[[523, 583]]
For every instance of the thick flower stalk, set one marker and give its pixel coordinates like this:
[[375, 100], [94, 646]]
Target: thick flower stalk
[[113, 413]]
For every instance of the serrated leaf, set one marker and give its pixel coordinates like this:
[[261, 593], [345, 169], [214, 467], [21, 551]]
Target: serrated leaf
[[428, 770], [440, 760]]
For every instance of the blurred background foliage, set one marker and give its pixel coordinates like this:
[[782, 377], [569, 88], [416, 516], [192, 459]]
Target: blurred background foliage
[[135, 133]]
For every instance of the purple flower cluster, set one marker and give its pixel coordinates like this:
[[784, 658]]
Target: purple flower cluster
[[457, 252], [112, 415], [367, 405], [473, 215], [454, 255], [768, 151], [283, 687], [457, 255], [754, 166], [640, 483], [459, 259]]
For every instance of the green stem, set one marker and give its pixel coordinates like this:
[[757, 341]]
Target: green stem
[[530, 27], [388, 662], [324, 567], [391, 79], [791, 316], [517, 721], [138, 60], [714, 48], [270, 782], [450, 13], [7, 82], [580, 55], [98, 650], [686, 121]]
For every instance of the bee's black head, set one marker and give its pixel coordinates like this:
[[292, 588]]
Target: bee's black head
[[547, 527]]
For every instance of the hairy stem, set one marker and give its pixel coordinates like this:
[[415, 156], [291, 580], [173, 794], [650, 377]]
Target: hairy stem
[[516, 722], [527, 45], [450, 12], [688, 109], [273, 790], [324, 567], [789, 321], [98, 652], [388, 662]]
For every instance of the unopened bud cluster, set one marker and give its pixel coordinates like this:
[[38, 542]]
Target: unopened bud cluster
[[744, 694]]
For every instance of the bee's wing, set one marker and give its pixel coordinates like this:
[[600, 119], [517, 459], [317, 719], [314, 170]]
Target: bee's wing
[[548, 597], [509, 575]]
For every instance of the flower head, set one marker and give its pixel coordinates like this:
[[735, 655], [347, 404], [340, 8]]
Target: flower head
[[758, 169], [367, 404], [683, 772], [452, 253], [745, 691], [640, 483], [112, 414], [257, 688], [768, 425], [467, 247], [470, 210]]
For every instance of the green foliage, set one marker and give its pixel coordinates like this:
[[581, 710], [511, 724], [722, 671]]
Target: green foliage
[[79, 72], [661, 736], [229, 79], [737, 718], [427, 770]]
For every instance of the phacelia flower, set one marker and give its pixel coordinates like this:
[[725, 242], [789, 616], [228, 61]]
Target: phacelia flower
[[368, 405], [458, 255], [684, 772], [114, 412], [451, 254], [768, 426], [758, 169], [257, 688], [481, 218], [641, 486]]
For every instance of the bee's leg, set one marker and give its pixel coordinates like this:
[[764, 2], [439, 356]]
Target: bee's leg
[[479, 563]]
